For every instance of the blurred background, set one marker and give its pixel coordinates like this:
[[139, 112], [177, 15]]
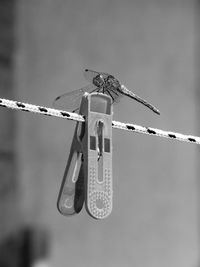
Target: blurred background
[[152, 47]]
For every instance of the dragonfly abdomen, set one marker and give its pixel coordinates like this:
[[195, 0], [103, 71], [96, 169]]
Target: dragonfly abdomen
[[130, 94]]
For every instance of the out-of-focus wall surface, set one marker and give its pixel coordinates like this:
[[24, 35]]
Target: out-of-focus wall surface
[[8, 182], [149, 46]]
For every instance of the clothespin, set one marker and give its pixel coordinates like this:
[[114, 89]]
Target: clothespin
[[88, 174]]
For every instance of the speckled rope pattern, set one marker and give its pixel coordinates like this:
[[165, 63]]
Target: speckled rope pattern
[[40, 110], [115, 124]]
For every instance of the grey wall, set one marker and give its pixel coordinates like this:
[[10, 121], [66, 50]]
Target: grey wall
[[8, 179], [149, 46]]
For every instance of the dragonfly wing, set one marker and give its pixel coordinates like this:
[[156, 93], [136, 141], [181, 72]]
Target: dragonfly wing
[[71, 100], [91, 74], [130, 94]]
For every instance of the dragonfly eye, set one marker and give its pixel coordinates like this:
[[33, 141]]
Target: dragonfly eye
[[98, 80]]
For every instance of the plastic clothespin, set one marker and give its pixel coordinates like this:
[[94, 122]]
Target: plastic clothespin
[[88, 174]]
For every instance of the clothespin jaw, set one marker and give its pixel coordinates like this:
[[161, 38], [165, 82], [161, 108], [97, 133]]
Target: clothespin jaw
[[71, 196], [97, 153], [88, 174]]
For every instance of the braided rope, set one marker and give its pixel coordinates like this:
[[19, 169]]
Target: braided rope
[[156, 132], [115, 124], [40, 110]]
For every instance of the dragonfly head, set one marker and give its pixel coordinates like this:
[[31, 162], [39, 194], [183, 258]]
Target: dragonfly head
[[98, 80]]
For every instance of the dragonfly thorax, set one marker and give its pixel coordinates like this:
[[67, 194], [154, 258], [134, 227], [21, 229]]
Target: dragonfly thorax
[[111, 82]]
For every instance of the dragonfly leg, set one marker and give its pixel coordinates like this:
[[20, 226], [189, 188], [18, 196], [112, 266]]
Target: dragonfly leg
[[98, 90], [113, 91], [95, 90], [110, 95]]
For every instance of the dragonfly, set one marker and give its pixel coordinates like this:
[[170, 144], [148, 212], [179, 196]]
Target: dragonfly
[[99, 82]]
